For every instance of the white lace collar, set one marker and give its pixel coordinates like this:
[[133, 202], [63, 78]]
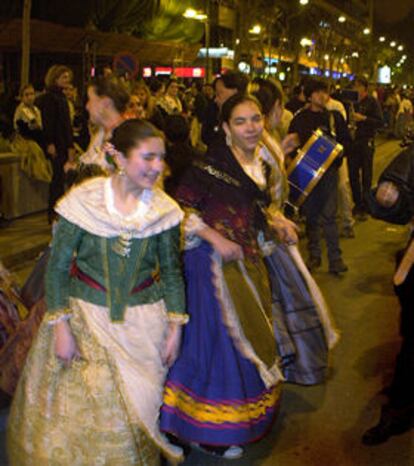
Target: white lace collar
[[91, 206]]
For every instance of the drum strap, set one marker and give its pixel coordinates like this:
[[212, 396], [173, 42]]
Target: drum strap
[[332, 126]]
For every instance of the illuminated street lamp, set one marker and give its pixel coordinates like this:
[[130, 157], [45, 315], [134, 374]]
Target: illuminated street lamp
[[326, 57], [342, 19], [305, 42], [367, 31], [400, 48], [393, 43], [190, 13], [256, 29], [382, 39], [303, 2]]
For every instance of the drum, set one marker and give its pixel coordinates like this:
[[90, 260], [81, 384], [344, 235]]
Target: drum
[[310, 164]]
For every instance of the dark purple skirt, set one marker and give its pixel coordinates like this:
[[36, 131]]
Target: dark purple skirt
[[213, 394]]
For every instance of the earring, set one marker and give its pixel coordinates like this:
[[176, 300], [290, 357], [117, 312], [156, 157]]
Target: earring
[[229, 141]]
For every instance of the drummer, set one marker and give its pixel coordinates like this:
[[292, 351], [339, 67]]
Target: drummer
[[320, 208]]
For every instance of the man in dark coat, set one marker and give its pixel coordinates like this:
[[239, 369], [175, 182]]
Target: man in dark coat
[[393, 202]]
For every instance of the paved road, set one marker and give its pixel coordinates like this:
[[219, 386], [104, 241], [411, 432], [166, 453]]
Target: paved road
[[322, 426]]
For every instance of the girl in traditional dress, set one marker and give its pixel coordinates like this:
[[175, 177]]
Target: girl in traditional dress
[[303, 328], [224, 389], [92, 385]]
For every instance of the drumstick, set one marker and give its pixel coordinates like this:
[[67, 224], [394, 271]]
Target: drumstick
[[405, 265]]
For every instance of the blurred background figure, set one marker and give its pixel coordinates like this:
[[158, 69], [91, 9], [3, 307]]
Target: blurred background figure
[[148, 102], [180, 153], [169, 103], [404, 116], [28, 141], [57, 129]]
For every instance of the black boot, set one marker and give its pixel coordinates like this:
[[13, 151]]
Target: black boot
[[392, 422]]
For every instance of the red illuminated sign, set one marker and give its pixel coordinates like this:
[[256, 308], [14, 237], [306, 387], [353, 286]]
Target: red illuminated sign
[[163, 70], [190, 72]]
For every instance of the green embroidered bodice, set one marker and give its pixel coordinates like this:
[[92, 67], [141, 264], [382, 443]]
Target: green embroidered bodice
[[118, 265]]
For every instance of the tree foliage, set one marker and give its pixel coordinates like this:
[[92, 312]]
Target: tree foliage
[[152, 19]]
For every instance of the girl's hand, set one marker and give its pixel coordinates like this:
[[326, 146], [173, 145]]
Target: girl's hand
[[66, 349], [228, 250], [286, 230], [290, 143], [172, 344]]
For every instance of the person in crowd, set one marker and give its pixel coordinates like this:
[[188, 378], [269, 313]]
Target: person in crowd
[[57, 129], [27, 120], [196, 108], [393, 201], [404, 116], [298, 99], [28, 141], [71, 96], [208, 91], [180, 153], [157, 89], [344, 193], [294, 292], [106, 105], [78, 119], [135, 109], [320, 207], [226, 85], [113, 326], [170, 103], [150, 109], [224, 389], [368, 118]]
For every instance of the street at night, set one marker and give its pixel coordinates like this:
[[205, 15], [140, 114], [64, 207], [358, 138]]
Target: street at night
[[322, 425]]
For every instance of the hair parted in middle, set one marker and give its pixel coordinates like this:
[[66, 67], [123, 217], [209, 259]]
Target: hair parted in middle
[[235, 100], [131, 133]]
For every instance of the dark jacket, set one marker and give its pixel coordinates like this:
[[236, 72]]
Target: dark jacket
[[306, 121], [369, 107], [211, 131], [400, 172], [57, 127]]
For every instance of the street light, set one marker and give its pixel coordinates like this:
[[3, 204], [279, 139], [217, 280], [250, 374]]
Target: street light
[[393, 43], [303, 2], [400, 48], [382, 39], [256, 29], [190, 13], [367, 31], [342, 19], [305, 42]]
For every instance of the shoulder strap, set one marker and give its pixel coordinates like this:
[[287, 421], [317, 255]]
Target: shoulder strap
[[332, 125]]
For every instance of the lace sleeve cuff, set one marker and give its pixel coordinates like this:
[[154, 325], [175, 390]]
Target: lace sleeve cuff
[[53, 318], [193, 223], [178, 318]]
